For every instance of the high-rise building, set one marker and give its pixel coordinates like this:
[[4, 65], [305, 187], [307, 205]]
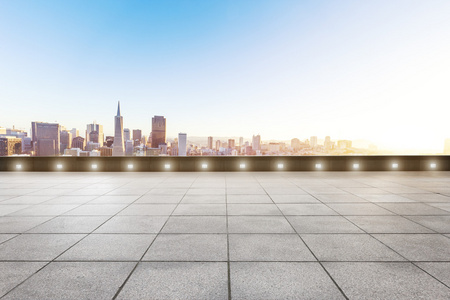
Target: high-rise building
[[327, 143], [72, 152], [129, 147], [447, 146], [126, 134], [66, 140], [94, 137], [295, 144], [109, 141], [218, 145], [158, 131], [256, 142], [105, 151], [97, 128], [241, 141], [118, 148], [74, 132], [182, 144], [231, 143], [78, 142], [10, 145], [137, 136], [92, 146], [210, 142], [45, 138], [313, 142], [344, 144]]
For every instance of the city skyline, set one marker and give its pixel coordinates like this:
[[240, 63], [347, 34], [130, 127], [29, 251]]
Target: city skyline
[[373, 70]]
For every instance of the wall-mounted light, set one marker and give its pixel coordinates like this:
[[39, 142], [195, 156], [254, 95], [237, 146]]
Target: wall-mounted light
[[167, 166], [204, 166], [18, 167], [130, 166], [433, 165], [280, 166], [318, 166], [59, 166], [94, 166], [395, 166], [356, 166], [242, 166]]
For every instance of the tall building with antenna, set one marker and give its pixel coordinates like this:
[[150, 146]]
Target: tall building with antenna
[[118, 146]]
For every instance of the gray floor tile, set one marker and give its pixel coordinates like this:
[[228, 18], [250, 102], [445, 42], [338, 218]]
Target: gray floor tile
[[45, 210], [74, 280], [109, 247], [42, 247], [196, 224], [13, 273], [5, 237], [386, 198], [268, 247], [200, 209], [440, 224], [148, 210], [159, 199], [206, 199], [177, 280], [253, 209], [386, 281], [355, 209], [69, 200], [387, 224], [114, 199], [440, 270], [322, 224], [7, 209], [294, 199], [281, 280], [27, 200], [133, 224], [443, 206], [348, 247], [340, 198], [246, 191], [306, 210], [70, 224], [248, 199], [96, 210], [413, 209], [20, 224], [188, 247], [206, 191], [418, 247], [258, 224], [427, 197]]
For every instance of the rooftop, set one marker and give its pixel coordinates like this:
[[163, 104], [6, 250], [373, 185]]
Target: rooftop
[[318, 235]]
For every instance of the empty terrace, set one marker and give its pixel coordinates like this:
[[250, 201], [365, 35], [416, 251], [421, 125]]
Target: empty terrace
[[241, 235]]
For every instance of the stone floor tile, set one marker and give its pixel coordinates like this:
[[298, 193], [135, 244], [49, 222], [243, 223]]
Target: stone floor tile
[[200, 209], [387, 224], [70, 224], [322, 224], [306, 210], [13, 273], [253, 209], [258, 224], [20, 224], [196, 224]]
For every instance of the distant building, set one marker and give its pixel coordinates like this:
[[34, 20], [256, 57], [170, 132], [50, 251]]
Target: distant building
[[327, 144], [137, 137], [27, 145], [182, 144], [126, 134], [210, 142], [296, 144], [129, 148], [66, 140], [118, 146], [231, 143], [241, 141], [90, 146], [274, 147], [74, 132], [72, 152], [153, 152], [256, 142], [98, 137], [45, 138], [447, 146], [109, 141], [313, 142], [10, 145], [344, 144], [78, 142], [158, 131], [105, 151], [218, 145]]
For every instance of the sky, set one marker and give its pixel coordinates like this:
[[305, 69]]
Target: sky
[[373, 70]]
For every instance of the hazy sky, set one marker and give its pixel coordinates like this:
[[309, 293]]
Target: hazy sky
[[377, 70]]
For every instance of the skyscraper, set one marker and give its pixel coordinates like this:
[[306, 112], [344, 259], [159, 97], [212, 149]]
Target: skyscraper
[[158, 131], [45, 138], [78, 142], [137, 136], [231, 143], [126, 134], [10, 145], [256, 142], [218, 145], [66, 140], [118, 149], [327, 143], [182, 144], [210, 142], [95, 127], [313, 142], [241, 141]]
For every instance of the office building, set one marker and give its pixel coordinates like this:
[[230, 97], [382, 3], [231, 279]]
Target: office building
[[74, 132], [241, 141], [182, 144], [66, 140], [98, 137], [158, 131], [210, 142], [218, 145], [72, 152], [256, 142], [109, 141], [129, 147], [45, 138], [231, 143], [344, 144], [118, 146], [295, 144], [78, 142], [137, 137], [126, 134], [105, 151], [327, 143], [90, 146], [313, 142], [10, 145]]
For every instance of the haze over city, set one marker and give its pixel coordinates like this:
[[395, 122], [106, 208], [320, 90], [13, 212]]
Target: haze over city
[[349, 69]]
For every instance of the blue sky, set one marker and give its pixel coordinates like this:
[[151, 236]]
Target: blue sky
[[375, 70]]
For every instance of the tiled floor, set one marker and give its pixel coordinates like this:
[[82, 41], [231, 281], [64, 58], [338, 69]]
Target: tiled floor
[[280, 235]]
